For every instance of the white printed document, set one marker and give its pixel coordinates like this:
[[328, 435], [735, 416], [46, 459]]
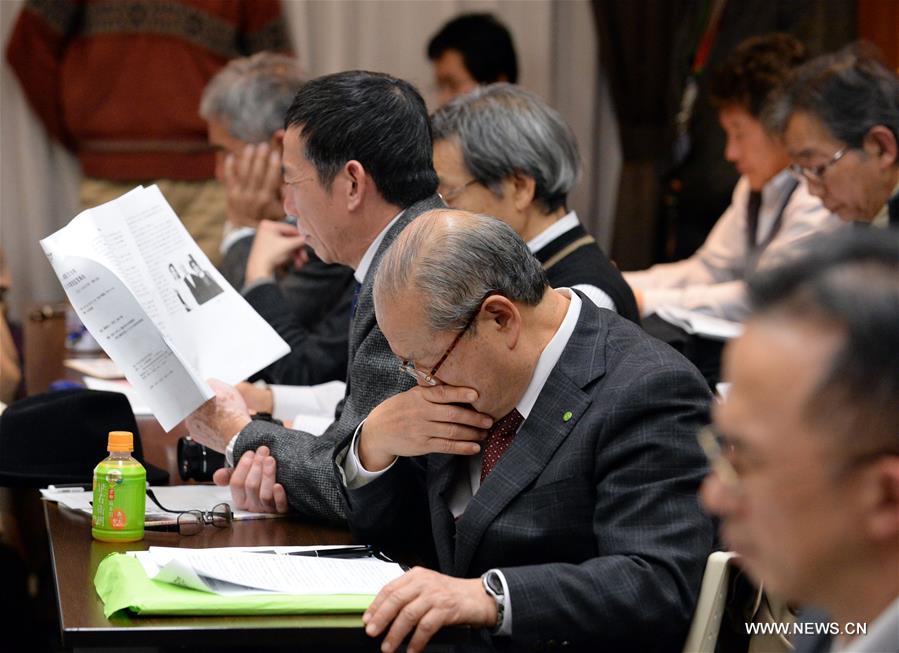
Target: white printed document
[[244, 571], [156, 305]]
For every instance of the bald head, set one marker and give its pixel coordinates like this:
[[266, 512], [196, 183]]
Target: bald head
[[453, 259]]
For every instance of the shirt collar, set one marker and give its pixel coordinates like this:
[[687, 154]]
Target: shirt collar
[[551, 354], [365, 262], [566, 223]]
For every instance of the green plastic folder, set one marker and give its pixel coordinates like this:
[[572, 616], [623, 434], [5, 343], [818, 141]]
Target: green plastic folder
[[122, 583]]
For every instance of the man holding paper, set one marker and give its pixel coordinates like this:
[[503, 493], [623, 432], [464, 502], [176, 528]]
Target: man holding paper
[[574, 518], [357, 170]]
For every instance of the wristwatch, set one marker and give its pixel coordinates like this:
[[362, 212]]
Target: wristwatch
[[493, 585]]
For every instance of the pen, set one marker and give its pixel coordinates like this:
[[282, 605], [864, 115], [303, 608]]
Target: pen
[[358, 551]]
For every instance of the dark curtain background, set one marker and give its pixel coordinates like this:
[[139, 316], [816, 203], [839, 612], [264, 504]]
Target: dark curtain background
[[647, 48]]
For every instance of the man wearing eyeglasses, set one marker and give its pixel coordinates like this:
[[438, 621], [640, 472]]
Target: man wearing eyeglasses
[[841, 121], [807, 484], [771, 215], [568, 517], [356, 170]]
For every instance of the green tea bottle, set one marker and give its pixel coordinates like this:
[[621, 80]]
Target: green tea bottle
[[120, 493]]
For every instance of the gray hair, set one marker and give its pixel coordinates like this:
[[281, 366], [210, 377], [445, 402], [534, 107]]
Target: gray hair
[[455, 260], [503, 130], [849, 91], [252, 95]]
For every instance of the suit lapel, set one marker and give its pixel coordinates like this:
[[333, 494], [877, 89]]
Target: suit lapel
[[364, 319], [542, 433], [442, 470]]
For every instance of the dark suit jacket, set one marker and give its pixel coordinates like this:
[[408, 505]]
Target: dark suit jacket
[[586, 263], [594, 521], [373, 375], [309, 308], [309, 293]]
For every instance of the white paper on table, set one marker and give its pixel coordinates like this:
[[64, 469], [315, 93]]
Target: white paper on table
[[168, 332], [174, 497], [178, 572], [298, 575], [700, 324], [100, 368]]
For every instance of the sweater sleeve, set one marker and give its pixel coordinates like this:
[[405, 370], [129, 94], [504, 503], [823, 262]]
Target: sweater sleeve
[[35, 52]]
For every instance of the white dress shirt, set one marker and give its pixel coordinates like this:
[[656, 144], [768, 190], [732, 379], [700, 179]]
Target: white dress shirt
[[712, 280], [465, 486]]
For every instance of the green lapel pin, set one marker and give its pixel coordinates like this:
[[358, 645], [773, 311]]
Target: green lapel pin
[[566, 416]]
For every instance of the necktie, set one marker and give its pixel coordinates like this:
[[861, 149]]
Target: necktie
[[499, 437], [752, 217]]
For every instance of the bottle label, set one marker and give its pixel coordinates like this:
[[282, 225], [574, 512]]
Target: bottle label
[[119, 500]]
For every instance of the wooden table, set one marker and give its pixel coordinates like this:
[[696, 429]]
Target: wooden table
[[75, 556]]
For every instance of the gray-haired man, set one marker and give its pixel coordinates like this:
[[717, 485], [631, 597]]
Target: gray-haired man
[[841, 120], [573, 520], [502, 151]]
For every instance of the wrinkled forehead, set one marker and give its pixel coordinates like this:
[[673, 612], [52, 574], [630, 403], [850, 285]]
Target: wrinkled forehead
[[402, 320]]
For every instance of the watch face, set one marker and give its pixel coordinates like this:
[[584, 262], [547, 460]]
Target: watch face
[[494, 583]]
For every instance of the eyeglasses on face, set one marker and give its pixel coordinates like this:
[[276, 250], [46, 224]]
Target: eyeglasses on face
[[428, 378], [191, 522], [718, 450], [715, 446], [449, 195], [816, 173]]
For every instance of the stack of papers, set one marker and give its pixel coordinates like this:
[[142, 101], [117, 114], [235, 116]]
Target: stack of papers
[[239, 571]]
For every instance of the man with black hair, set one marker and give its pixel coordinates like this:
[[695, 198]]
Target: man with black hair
[[840, 116], [771, 214], [805, 450], [357, 171], [469, 50], [244, 107]]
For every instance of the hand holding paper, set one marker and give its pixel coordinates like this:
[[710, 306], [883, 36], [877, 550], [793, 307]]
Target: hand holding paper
[[156, 305]]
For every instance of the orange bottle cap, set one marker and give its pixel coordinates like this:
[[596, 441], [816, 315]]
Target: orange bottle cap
[[120, 441]]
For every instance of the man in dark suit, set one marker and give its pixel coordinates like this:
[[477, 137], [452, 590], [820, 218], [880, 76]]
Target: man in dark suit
[[357, 171], [805, 449], [500, 150], [573, 521]]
